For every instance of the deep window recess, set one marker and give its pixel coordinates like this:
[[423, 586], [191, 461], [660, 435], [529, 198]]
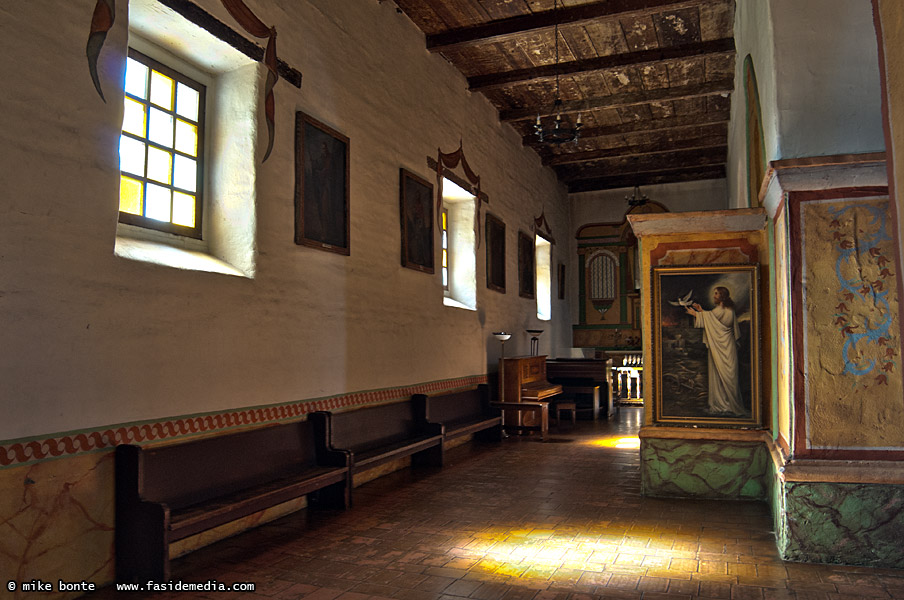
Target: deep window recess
[[445, 218], [161, 148]]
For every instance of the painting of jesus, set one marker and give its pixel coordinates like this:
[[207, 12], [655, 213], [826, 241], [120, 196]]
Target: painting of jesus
[[706, 345]]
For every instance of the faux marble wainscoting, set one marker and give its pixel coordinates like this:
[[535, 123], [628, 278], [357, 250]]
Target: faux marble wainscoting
[[700, 468], [56, 522], [845, 523]]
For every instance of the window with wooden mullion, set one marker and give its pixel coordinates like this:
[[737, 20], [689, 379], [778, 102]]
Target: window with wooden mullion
[[445, 244], [161, 148]]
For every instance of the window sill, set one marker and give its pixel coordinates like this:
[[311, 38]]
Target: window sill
[[456, 304], [170, 256]]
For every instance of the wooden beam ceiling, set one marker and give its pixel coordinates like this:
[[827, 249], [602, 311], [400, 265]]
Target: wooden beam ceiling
[[666, 125], [508, 29], [664, 159], [705, 142], [710, 88], [602, 63], [652, 79], [648, 178]]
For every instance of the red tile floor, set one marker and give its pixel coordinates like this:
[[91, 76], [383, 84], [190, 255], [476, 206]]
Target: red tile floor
[[523, 520]]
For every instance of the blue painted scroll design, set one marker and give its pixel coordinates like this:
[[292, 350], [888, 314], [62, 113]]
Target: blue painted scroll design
[[860, 253]]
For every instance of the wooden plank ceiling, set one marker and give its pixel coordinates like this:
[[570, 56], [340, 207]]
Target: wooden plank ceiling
[[651, 79]]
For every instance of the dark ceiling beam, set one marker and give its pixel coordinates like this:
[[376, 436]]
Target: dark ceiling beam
[[602, 63], [505, 29], [669, 124], [654, 161], [722, 86], [650, 149], [648, 178]]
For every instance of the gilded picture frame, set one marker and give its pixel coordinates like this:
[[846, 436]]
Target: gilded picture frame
[[705, 333]]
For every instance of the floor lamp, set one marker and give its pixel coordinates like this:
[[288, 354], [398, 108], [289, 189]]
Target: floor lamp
[[502, 337]]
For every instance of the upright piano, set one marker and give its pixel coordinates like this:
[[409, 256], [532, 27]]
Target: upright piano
[[579, 377], [523, 379]]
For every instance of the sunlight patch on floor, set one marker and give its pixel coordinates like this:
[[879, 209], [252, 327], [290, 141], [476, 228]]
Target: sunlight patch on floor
[[620, 442]]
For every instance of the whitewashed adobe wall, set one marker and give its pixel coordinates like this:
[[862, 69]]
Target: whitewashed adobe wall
[[90, 339]]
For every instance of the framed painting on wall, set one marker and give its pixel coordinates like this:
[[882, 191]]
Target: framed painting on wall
[[705, 345], [495, 234], [416, 215], [526, 265], [321, 186], [561, 276]]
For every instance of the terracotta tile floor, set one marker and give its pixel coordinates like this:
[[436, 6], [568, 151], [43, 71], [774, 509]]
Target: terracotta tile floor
[[523, 520]]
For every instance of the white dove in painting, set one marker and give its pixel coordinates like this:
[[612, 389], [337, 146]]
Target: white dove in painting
[[683, 301]]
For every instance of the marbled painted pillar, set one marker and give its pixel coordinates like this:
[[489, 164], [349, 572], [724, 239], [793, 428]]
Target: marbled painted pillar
[[702, 468], [56, 521], [846, 523]]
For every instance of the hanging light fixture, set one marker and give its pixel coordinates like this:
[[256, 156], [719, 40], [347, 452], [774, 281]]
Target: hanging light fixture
[[637, 198], [559, 132]]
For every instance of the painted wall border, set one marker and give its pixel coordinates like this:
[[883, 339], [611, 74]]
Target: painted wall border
[[24, 451]]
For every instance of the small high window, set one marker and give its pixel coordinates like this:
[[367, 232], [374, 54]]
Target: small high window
[[445, 222], [460, 247], [543, 250], [161, 148]]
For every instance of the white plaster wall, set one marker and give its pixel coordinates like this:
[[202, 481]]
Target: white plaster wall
[[753, 36], [817, 70], [828, 93], [89, 339], [609, 206]]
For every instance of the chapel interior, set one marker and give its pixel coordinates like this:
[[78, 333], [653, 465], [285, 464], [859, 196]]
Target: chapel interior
[[522, 299]]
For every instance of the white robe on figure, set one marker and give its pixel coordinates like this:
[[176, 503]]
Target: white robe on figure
[[720, 334]]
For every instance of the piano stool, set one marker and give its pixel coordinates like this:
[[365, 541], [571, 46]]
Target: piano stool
[[565, 407]]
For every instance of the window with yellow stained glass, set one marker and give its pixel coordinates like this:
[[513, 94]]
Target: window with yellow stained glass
[[445, 221], [161, 148]]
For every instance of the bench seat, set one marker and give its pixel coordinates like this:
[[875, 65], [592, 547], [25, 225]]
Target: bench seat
[[374, 435], [170, 492], [367, 459], [200, 517], [461, 413]]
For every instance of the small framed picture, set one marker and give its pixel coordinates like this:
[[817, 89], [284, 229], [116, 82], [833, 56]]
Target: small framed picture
[[321, 186], [416, 215], [526, 265], [561, 276], [495, 234]]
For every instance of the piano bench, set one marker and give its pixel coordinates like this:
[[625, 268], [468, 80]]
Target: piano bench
[[565, 407]]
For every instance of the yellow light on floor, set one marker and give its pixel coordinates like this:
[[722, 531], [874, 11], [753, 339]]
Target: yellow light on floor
[[628, 442], [617, 442]]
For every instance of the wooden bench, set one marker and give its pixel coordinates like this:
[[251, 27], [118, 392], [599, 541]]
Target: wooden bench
[[168, 493], [375, 435], [463, 413]]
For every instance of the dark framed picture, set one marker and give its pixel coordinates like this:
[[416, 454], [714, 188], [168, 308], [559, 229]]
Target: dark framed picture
[[416, 214], [495, 234], [705, 345], [321, 186], [527, 270], [561, 276]]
